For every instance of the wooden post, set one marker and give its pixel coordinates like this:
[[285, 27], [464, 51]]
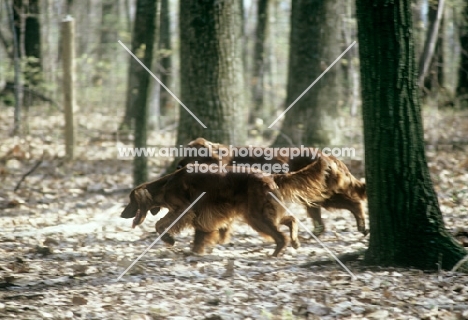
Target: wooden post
[[68, 58]]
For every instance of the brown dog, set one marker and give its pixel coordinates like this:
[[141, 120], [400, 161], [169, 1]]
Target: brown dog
[[350, 199], [228, 195], [231, 195]]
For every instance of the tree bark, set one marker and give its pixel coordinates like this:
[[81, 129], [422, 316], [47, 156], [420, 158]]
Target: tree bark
[[139, 47], [28, 39], [418, 26], [406, 225], [17, 69], [165, 50], [351, 73], [69, 7], [154, 93], [211, 72], [431, 41], [138, 80], [109, 20], [33, 42], [259, 58], [314, 45], [462, 86], [434, 78]]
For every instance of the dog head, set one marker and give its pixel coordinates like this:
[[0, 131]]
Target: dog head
[[140, 202]]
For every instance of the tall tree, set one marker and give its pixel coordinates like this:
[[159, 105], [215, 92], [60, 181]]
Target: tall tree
[[406, 225], [109, 20], [259, 57], [351, 72], [434, 76], [28, 33], [18, 85], [138, 79], [418, 14], [314, 45], [462, 86], [165, 53], [69, 7], [211, 71], [435, 18]]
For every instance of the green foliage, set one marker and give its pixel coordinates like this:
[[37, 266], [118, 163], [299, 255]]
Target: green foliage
[[31, 78]]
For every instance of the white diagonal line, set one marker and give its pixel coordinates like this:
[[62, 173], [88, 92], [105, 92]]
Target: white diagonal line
[[162, 84], [316, 80], [160, 236], [316, 239]]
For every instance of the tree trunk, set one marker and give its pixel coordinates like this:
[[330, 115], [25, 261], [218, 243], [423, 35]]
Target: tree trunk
[[69, 7], [32, 44], [154, 93], [418, 26], [462, 86], [431, 40], [139, 47], [434, 77], [166, 103], [314, 45], [211, 72], [406, 225], [259, 58], [17, 69], [351, 73], [19, 11], [109, 21], [28, 38], [138, 79]]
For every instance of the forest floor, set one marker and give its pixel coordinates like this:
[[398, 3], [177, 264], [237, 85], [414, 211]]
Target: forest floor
[[63, 244]]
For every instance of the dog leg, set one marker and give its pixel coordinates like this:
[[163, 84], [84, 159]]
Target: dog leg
[[291, 223], [161, 226], [267, 227], [316, 216], [203, 239], [358, 211], [225, 234], [340, 201]]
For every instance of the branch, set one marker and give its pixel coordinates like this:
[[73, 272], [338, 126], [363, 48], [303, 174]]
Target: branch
[[5, 44], [460, 263], [38, 163], [345, 257]]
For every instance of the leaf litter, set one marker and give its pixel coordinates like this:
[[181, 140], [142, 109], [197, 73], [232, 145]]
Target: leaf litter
[[63, 245]]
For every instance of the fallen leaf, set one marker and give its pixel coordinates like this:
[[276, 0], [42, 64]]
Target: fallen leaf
[[79, 301]]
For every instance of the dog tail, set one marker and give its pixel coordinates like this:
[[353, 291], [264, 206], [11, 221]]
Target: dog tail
[[308, 185]]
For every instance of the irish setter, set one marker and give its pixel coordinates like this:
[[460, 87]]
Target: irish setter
[[349, 199], [228, 195], [243, 194]]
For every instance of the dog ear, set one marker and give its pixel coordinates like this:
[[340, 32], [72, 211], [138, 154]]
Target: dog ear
[[131, 209], [144, 201], [144, 198]]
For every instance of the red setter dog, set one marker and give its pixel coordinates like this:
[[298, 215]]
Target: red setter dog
[[228, 195], [349, 197], [242, 194]]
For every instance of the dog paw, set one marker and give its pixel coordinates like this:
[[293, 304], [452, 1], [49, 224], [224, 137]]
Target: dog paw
[[168, 240], [198, 250], [295, 244], [318, 230]]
